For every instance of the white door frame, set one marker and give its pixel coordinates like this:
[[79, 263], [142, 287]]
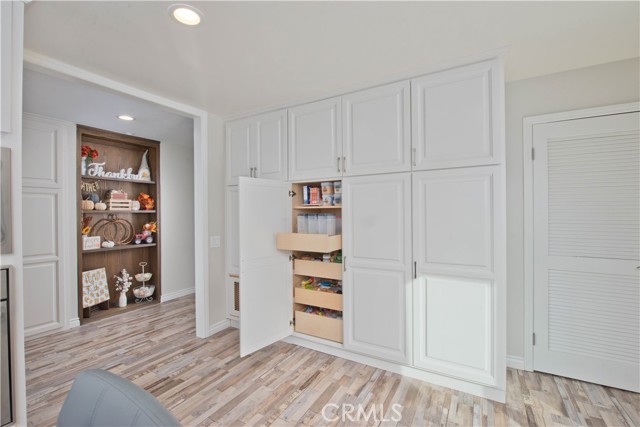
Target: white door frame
[[39, 62], [527, 139]]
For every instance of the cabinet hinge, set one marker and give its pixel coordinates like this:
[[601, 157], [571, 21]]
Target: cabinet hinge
[[533, 153], [292, 193], [344, 263], [533, 338], [292, 257], [415, 269]]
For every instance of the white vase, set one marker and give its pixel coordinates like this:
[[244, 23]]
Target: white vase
[[122, 301]]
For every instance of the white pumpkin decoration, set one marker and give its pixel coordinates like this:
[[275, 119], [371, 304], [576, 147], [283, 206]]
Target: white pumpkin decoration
[[101, 206], [87, 205]]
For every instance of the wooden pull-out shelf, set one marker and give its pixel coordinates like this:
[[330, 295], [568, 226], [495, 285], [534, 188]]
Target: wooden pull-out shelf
[[318, 298], [319, 326], [326, 270], [321, 243]]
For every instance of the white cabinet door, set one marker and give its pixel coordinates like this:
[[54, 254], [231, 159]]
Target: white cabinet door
[[377, 283], [377, 130], [266, 299], [233, 234], [269, 150], [315, 141], [457, 117], [238, 139], [459, 248]]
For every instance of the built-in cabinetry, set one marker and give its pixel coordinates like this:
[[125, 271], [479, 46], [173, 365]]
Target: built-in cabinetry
[[378, 268], [423, 239], [257, 147], [119, 152]]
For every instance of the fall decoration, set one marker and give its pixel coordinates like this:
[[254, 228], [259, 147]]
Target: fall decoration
[[100, 206], [87, 205], [146, 202]]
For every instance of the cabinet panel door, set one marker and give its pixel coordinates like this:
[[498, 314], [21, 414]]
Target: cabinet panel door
[[239, 140], [377, 130], [458, 230], [266, 299], [233, 234], [315, 140], [377, 281], [456, 117], [270, 147]]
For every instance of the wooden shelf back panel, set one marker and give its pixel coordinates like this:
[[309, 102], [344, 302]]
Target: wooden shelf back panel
[[321, 243], [319, 326], [326, 270]]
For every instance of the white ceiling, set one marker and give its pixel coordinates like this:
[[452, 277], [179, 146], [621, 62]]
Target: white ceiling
[[88, 105], [252, 55]]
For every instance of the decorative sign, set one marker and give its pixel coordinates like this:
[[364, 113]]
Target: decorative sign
[[90, 187], [94, 287], [97, 170]]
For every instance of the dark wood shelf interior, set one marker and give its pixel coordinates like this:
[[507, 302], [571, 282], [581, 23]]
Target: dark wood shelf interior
[[118, 152], [121, 248], [105, 212], [97, 314], [104, 178]]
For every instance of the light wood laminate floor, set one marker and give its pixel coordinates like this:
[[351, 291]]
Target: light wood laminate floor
[[205, 382]]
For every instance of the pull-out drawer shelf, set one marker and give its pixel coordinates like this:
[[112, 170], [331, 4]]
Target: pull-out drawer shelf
[[319, 326], [326, 270], [322, 243], [318, 298]]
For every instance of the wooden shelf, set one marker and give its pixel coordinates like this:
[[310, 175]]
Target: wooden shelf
[[326, 270], [305, 207], [117, 212], [103, 178], [121, 248], [322, 243], [318, 326], [316, 298], [113, 311]]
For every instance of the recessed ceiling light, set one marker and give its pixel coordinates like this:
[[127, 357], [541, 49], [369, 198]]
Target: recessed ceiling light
[[185, 14], [125, 117]]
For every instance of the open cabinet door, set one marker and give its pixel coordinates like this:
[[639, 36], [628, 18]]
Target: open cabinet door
[[266, 297]]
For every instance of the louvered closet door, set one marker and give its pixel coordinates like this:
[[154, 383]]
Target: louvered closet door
[[587, 223]]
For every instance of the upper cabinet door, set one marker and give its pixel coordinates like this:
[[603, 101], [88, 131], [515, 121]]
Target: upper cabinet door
[[270, 146], [315, 141], [238, 137], [457, 117], [377, 135]]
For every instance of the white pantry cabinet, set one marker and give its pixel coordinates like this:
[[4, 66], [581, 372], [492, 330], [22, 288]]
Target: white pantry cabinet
[[377, 130], [459, 248], [257, 147], [457, 117], [377, 257], [315, 141], [424, 230]]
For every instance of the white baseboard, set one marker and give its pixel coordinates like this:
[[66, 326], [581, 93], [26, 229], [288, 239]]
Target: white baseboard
[[515, 362], [217, 327], [177, 294], [74, 322], [234, 323]]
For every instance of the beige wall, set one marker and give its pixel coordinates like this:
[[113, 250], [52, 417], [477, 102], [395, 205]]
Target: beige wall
[[217, 295], [607, 84], [176, 164]]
